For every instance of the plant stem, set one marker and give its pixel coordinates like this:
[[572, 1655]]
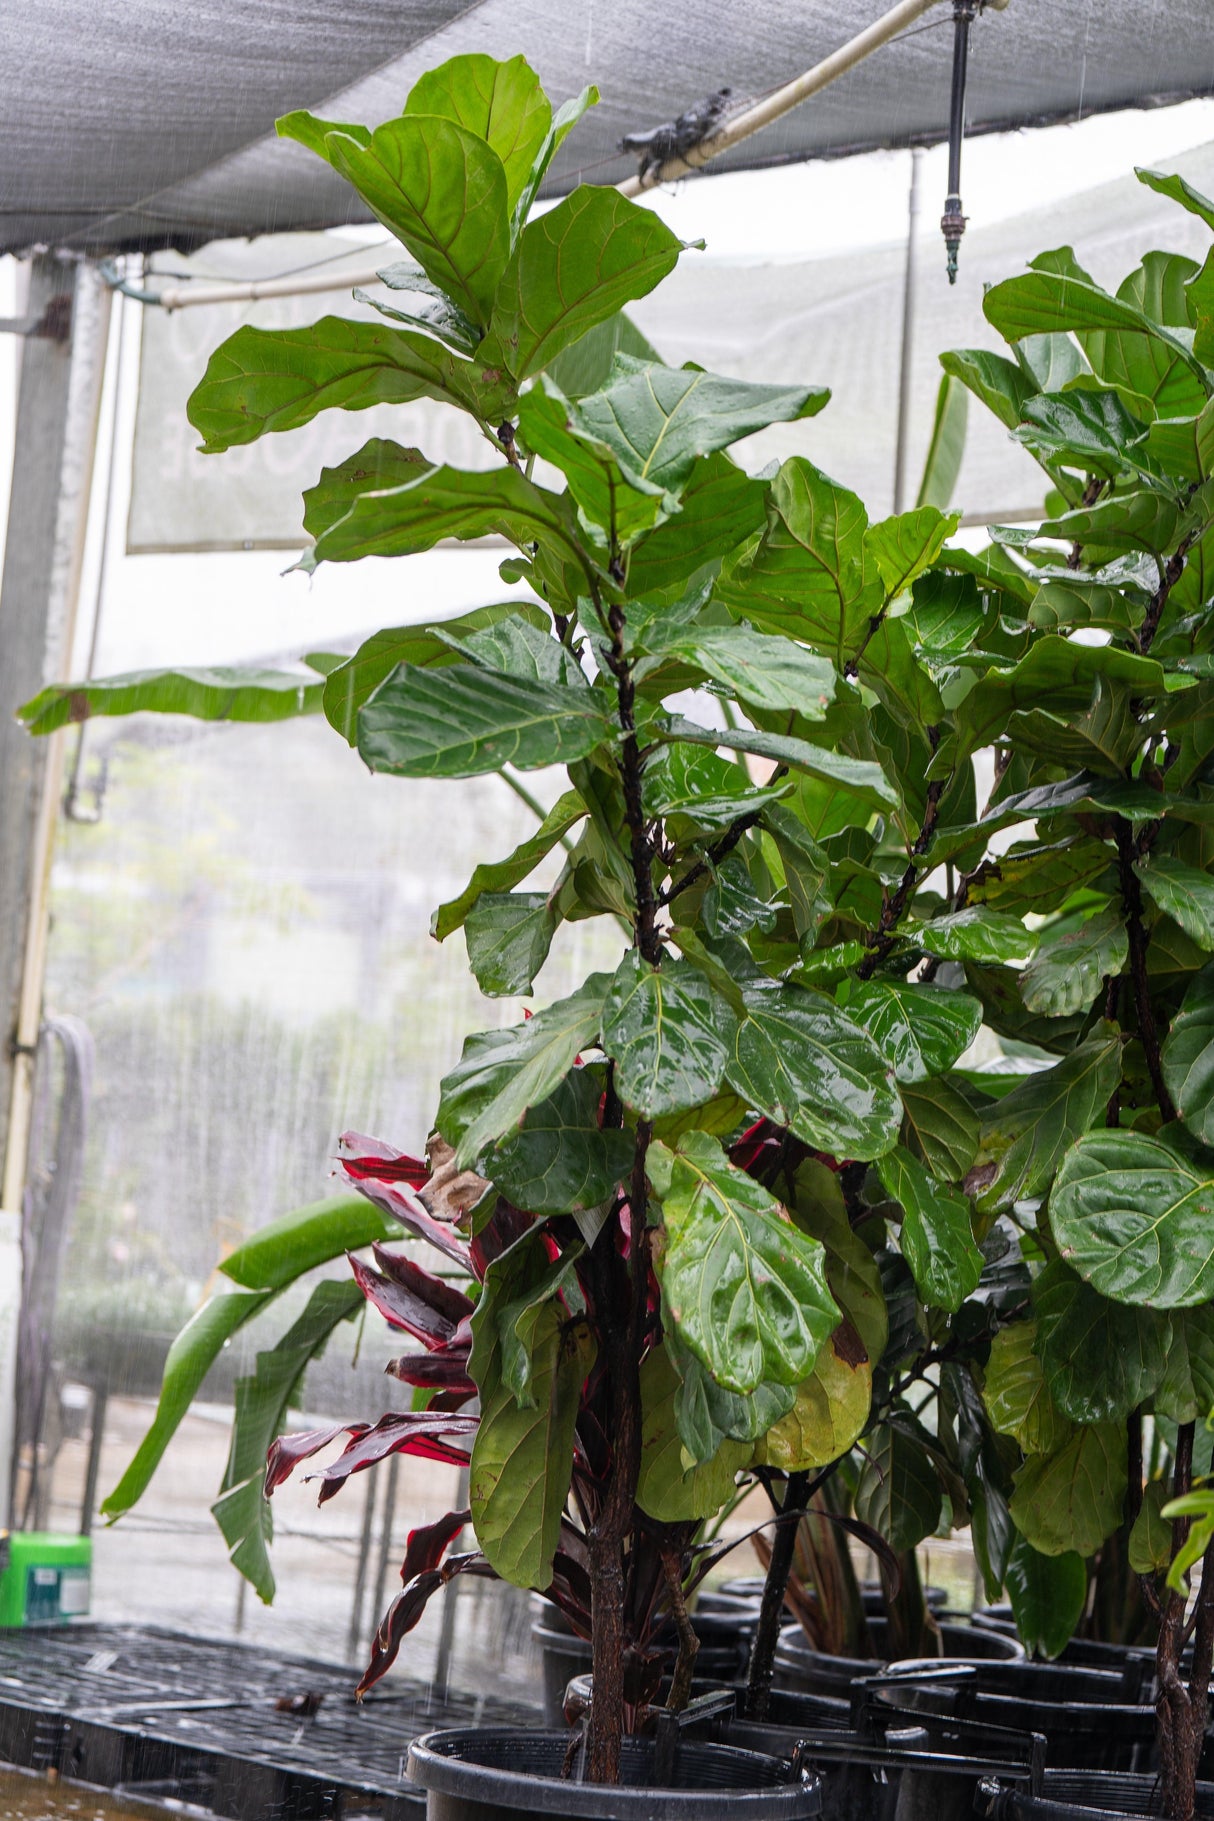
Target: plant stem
[[1173, 570], [882, 938], [689, 1644], [767, 1632], [1181, 1719]]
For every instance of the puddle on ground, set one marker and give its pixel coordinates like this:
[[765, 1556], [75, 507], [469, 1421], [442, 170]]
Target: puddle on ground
[[25, 1796]]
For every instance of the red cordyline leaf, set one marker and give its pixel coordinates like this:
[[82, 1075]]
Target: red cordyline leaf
[[372, 1157], [446, 1297], [407, 1608], [440, 1371], [504, 1226], [407, 1304], [421, 1432], [286, 1453], [398, 1200]]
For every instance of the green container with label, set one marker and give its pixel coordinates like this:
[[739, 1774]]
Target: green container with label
[[44, 1579]]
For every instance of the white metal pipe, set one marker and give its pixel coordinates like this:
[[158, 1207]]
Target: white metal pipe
[[751, 120]]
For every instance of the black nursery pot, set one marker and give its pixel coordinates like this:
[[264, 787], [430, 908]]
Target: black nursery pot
[[1068, 1795], [809, 1671], [1091, 1719], [725, 1637], [1088, 1653], [488, 1774]]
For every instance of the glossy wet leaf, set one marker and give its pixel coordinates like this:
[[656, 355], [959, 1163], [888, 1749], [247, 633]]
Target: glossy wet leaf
[[1017, 1393], [501, 1074], [745, 1289], [462, 721], [574, 267], [605, 500], [1188, 1058], [801, 1060], [852, 1272], [508, 936], [501, 103], [899, 1491], [350, 684], [522, 1457], [830, 1413], [941, 1125], [858, 779], [1055, 673], [1184, 893], [1150, 1541], [1048, 1594], [563, 123], [760, 670], [975, 935], [1185, 1393], [921, 1030], [707, 789], [667, 1489], [1068, 971], [720, 507], [1134, 1215], [1101, 1359], [1025, 1136], [263, 1399], [1073, 1498], [280, 1252], [993, 379], [262, 380], [657, 420], [501, 875], [707, 1415], [560, 1161], [668, 1034], [937, 1234], [904, 546]]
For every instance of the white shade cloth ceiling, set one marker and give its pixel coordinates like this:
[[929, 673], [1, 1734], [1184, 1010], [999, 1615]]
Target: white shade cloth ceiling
[[148, 123]]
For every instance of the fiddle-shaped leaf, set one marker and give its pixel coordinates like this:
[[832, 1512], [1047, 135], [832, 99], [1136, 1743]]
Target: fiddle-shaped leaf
[[1188, 1058], [1101, 1359], [462, 721], [1178, 189], [573, 268], [941, 1125], [859, 779], [1048, 1594], [937, 1234], [1068, 971], [667, 1490], [720, 507], [261, 380], [560, 1160], [904, 546], [745, 1289], [656, 420], [762, 671], [503, 875], [1184, 893], [668, 1034], [1132, 1214], [501, 103], [605, 499], [899, 1491], [1073, 1498], [1026, 1134], [501, 1074], [921, 1030], [508, 936], [706, 1414], [804, 1062], [563, 123], [830, 1413], [1017, 1394], [975, 935]]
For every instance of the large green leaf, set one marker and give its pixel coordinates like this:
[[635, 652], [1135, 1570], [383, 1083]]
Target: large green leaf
[[190, 1358], [804, 1062], [503, 1073], [1185, 1393], [921, 1030], [614, 510], [1068, 971], [1091, 430], [355, 510], [508, 936], [563, 123], [1188, 1058], [215, 693], [859, 779], [703, 787], [905, 686], [1184, 893], [1132, 1214], [561, 1161], [1048, 1595], [501, 103], [745, 1289], [462, 721], [522, 1458], [946, 447], [1056, 673], [438, 187], [1123, 522], [502, 875], [286, 1248], [720, 507], [575, 266], [1072, 1499], [762, 671], [1101, 1359], [277, 379], [656, 420], [668, 1034], [350, 684], [905, 546], [1173, 185], [899, 1491], [937, 1234], [1017, 1394], [941, 1125], [667, 1490], [1126, 347], [852, 1273], [975, 935], [1025, 1136], [242, 1510], [998, 382], [830, 1413], [811, 575], [706, 1414]]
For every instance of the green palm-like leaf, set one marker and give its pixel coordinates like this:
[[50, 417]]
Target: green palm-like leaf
[[211, 693]]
